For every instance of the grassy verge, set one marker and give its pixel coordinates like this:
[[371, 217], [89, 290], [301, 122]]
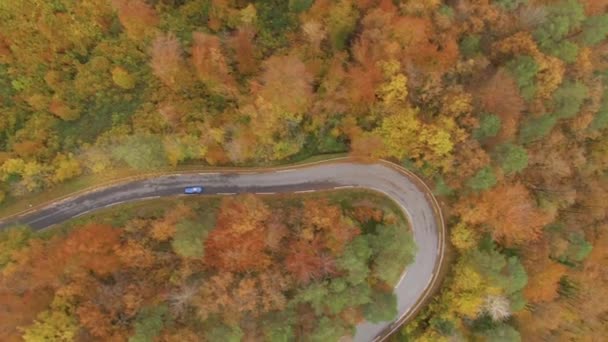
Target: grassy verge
[[16, 205]]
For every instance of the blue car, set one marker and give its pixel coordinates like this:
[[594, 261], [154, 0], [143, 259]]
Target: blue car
[[192, 190]]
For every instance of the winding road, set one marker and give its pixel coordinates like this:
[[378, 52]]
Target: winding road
[[407, 190]]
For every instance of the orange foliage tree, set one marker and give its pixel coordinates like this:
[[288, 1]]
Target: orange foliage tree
[[286, 84], [237, 244], [328, 224], [510, 212]]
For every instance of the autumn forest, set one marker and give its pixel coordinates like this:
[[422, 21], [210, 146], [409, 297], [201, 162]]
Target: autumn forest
[[500, 106]]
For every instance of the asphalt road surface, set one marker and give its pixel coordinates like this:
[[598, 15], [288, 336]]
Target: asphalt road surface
[[403, 188]]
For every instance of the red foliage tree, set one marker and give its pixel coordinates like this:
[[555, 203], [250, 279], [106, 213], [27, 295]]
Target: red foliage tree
[[136, 16], [303, 262], [500, 96], [167, 61], [244, 50], [210, 63]]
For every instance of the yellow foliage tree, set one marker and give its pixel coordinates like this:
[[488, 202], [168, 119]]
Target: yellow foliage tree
[[394, 89], [404, 135], [55, 324], [66, 167], [122, 78], [467, 291], [13, 166], [400, 134], [463, 238]]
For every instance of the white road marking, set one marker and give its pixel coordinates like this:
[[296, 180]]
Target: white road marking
[[265, 193], [226, 193], [83, 213], [208, 173], [45, 216], [431, 278], [149, 197], [283, 171], [304, 191], [344, 187], [401, 279], [115, 203]]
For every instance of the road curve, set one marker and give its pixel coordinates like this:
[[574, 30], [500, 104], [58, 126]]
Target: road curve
[[404, 188]]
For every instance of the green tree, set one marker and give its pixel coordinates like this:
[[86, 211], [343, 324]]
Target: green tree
[[274, 22], [469, 46], [149, 323], [355, 260], [348, 296], [564, 50], [314, 294], [299, 6], [341, 24], [513, 278], [562, 18], [144, 152], [502, 332], [278, 327], [12, 239], [600, 121], [393, 249], [568, 99], [576, 250], [484, 179], [594, 30], [382, 308], [512, 158], [489, 126], [328, 329], [188, 238], [536, 128], [222, 332], [510, 5], [442, 188], [498, 271], [524, 69]]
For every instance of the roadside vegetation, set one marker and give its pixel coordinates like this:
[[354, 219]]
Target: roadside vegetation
[[501, 105], [225, 269]]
